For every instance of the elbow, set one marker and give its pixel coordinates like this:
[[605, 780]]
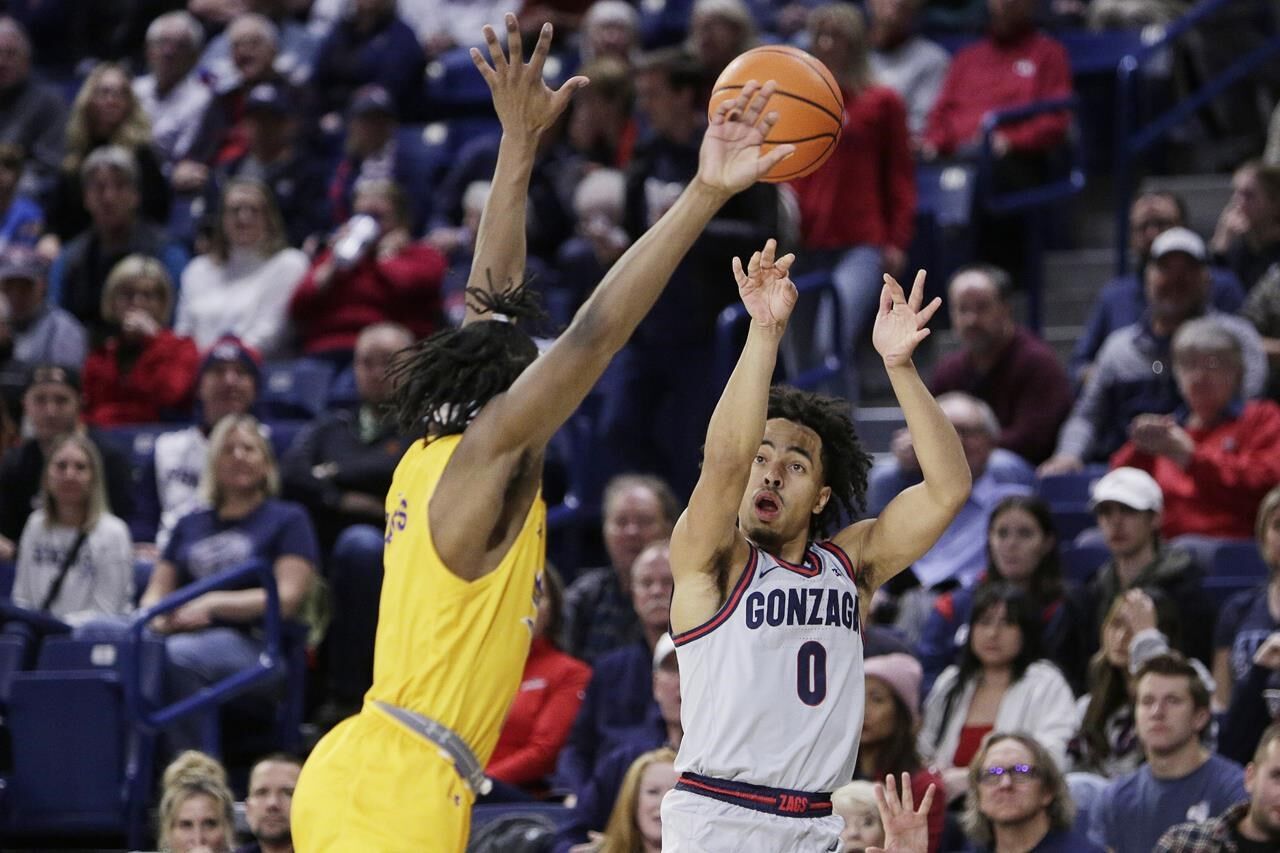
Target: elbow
[[293, 593], [590, 331]]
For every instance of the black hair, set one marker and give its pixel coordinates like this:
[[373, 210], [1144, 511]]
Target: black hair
[[900, 752], [1178, 201], [682, 71], [1045, 585], [442, 382], [844, 463]]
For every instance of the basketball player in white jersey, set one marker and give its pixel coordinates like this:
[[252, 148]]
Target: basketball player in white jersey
[[766, 614]]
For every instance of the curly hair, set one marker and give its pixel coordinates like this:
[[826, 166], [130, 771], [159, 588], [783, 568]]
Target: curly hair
[[844, 463], [441, 383]]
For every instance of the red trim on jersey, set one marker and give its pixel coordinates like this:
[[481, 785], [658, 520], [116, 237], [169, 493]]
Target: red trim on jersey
[[843, 557], [726, 609], [801, 570], [776, 801]]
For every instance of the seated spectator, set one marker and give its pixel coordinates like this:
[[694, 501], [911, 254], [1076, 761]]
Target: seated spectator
[[719, 30], [599, 240], [890, 725], [905, 61], [1215, 459], [609, 28], [1182, 780], [601, 129], [960, 554], [110, 180], [51, 407], [1128, 505], [75, 559], [617, 707], [390, 278], [173, 94], [1022, 550], [21, 218], [1247, 826], [1248, 618], [1123, 300], [197, 808], [227, 384], [34, 116], [144, 370], [371, 45], [1003, 364], [293, 47], [1253, 703], [1247, 239], [857, 214], [242, 286], [268, 804], [855, 804], [106, 113], [1123, 383], [218, 633], [636, 821], [543, 711], [43, 333], [1017, 799], [1000, 684], [1263, 310], [598, 613]]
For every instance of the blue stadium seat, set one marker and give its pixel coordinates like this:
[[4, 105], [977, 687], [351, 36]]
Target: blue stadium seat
[[6, 578], [1070, 520], [13, 658], [453, 86], [297, 389], [1098, 52], [1222, 587], [342, 393], [1081, 562], [1069, 490], [1238, 559], [282, 434]]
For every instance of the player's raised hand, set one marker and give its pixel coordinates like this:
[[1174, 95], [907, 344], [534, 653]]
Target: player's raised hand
[[901, 323], [524, 103], [731, 158], [765, 286], [906, 829]]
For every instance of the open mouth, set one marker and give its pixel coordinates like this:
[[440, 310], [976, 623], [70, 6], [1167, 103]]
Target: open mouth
[[768, 506]]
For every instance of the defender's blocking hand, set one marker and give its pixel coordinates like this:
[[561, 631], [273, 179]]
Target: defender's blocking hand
[[730, 158], [524, 103]]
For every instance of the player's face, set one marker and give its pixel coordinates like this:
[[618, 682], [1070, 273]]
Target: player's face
[[1166, 716], [1017, 544], [996, 640], [658, 778], [878, 715], [651, 587], [785, 489], [632, 520], [862, 828], [1262, 781], [197, 824], [1125, 530], [270, 800], [981, 320], [1011, 797]]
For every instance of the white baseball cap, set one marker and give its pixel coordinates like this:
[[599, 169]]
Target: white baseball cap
[[664, 648], [1132, 487], [1179, 239]]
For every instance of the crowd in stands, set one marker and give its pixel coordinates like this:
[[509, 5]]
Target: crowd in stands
[[200, 196]]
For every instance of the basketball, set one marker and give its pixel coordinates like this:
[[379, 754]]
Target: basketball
[[808, 102]]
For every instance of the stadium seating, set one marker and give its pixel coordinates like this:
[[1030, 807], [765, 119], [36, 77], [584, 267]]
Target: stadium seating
[[1081, 562], [294, 390]]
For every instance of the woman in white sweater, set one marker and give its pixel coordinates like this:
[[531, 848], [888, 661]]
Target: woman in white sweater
[[75, 559], [1000, 683], [242, 286]]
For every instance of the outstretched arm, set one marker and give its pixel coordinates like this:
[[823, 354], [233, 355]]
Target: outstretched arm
[[526, 108], [706, 534], [913, 520]]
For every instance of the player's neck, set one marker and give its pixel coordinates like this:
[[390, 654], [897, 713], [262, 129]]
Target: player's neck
[[1022, 836]]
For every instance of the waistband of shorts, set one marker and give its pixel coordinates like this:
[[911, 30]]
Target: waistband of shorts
[[777, 801], [453, 748]]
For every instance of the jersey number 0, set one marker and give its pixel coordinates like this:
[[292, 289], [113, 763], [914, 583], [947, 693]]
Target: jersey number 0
[[811, 673]]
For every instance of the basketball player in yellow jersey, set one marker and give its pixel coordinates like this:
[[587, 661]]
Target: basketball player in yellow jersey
[[464, 537]]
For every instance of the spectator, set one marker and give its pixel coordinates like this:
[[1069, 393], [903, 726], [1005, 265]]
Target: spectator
[[293, 51], [43, 333], [110, 180], [1003, 364], [268, 804], [719, 30], [1022, 550], [371, 45], [106, 113], [551, 691], [393, 278], [1252, 825], [227, 384], [910, 64], [13, 377], [21, 218], [1181, 780], [858, 213], [242, 286], [1253, 703], [1000, 684], [1248, 618], [600, 239], [1247, 239], [197, 809], [1263, 310], [173, 94], [1124, 382], [442, 25], [601, 129], [618, 706], [218, 633], [144, 370], [51, 406], [890, 725], [34, 114], [599, 616], [610, 28], [1017, 799], [855, 804], [75, 560], [1123, 300], [636, 822], [1216, 459], [1128, 505]]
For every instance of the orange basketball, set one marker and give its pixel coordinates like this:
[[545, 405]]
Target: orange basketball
[[808, 103]]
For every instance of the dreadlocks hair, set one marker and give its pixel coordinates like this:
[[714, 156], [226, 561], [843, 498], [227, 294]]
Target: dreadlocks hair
[[443, 381], [844, 463]]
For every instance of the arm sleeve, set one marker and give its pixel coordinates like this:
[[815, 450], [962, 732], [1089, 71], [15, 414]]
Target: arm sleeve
[[1046, 130], [899, 173], [113, 586], [299, 482], [24, 583], [1081, 427], [298, 537], [1241, 477], [537, 757], [1247, 716]]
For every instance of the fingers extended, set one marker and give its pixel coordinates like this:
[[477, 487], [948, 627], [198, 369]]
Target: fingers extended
[[495, 48], [540, 50], [515, 46], [755, 106]]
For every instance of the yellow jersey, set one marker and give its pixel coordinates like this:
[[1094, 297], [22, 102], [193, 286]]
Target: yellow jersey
[[450, 649]]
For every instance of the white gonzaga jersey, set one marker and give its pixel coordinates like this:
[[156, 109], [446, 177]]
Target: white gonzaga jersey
[[772, 686]]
